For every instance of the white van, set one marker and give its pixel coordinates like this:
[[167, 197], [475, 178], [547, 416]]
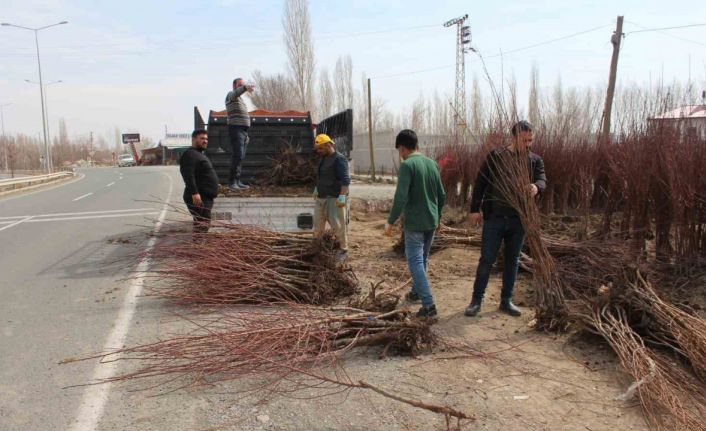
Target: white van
[[126, 160]]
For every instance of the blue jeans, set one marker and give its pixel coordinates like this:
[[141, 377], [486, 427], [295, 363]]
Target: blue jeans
[[238, 135], [496, 230], [416, 247]]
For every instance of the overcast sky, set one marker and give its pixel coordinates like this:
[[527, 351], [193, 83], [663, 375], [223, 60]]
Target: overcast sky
[[142, 65]]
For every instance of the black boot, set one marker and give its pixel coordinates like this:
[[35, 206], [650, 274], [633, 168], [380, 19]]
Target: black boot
[[425, 312], [412, 296], [472, 309], [506, 306]]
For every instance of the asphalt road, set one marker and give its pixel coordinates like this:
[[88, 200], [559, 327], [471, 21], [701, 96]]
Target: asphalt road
[[70, 286], [65, 288]]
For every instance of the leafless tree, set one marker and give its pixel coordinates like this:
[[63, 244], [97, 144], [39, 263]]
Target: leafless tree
[[326, 95], [476, 108], [274, 92], [300, 50], [381, 117], [343, 81], [419, 115], [534, 115]]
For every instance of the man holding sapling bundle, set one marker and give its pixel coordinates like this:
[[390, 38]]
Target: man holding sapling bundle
[[421, 196], [494, 201], [331, 192]]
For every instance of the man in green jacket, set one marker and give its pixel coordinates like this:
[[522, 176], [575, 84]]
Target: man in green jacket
[[420, 195]]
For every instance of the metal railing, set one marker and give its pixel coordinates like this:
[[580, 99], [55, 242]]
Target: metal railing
[[18, 183]]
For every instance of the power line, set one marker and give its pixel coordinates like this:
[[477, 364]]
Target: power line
[[546, 42], [414, 72], [667, 28], [569, 36], [664, 33], [210, 44]]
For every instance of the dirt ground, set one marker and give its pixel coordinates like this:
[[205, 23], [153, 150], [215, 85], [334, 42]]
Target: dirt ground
[[510, 377]]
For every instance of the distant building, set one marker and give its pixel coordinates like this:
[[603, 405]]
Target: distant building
[[689, 119], [168, 150]]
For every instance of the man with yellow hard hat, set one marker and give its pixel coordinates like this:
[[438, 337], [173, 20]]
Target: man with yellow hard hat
[[332, 182]]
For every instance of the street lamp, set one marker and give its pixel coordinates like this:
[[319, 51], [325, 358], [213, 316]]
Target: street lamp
[[46, 111], [41, 86], [4, 140]]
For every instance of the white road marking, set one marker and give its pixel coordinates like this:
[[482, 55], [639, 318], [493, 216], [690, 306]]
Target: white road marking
[[16, 223], [78, 214], [81, 197], [95, 397], [108, 185]]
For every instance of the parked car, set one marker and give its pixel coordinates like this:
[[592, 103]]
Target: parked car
[[126, 160]]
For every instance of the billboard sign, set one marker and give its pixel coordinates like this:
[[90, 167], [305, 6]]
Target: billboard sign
[[131, 138]]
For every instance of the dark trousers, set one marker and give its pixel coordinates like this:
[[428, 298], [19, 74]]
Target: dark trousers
[[238, 137], [496, 230], [201, 214]]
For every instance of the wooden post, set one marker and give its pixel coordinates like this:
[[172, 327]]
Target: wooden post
[[607, 111], [370, 132]]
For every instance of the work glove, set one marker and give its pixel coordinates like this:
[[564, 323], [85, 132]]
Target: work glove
[[341, 201], [315, 194]]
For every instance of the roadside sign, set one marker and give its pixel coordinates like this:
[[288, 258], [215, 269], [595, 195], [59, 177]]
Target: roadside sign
[[131, 138]]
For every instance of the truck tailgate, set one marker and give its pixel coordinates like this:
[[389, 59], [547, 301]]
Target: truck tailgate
[[284, 214]]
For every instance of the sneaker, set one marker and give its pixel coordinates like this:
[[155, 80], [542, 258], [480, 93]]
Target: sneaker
[[242, 185], [234, 187], [412, 296], [425, 313], [509, 308], [472, 310]]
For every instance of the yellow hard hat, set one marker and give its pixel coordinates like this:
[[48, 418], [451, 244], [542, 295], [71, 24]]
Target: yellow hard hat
[[322, 139]]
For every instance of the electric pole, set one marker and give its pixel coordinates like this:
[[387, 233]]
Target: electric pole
[[463, 41], [607, 111], [370, 132]]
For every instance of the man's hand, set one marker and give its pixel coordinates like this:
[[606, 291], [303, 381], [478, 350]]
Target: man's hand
[[533, 190], [341, 201], [475, 219], [250, 88], [196, 198], [388, 229]]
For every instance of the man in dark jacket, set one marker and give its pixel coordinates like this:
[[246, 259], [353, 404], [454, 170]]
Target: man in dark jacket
[[331, 192], [501, 222], [200, 180]]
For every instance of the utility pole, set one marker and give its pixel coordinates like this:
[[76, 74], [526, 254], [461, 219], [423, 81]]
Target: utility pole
[[463, 38], [50, 157], [607, 111], [370, 131], [90, 149], [41, 85]]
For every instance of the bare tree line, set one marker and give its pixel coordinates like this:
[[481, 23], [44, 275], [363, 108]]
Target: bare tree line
[[25, 152]]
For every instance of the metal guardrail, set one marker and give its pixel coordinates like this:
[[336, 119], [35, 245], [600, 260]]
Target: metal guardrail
[[18, 183]]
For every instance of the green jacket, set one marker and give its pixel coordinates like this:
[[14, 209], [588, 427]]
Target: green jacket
[[419, 194]]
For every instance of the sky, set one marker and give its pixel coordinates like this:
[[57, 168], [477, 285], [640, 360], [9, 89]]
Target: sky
[[143, 66]]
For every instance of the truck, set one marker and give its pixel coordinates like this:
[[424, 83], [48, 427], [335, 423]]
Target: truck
[[270, 133]]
